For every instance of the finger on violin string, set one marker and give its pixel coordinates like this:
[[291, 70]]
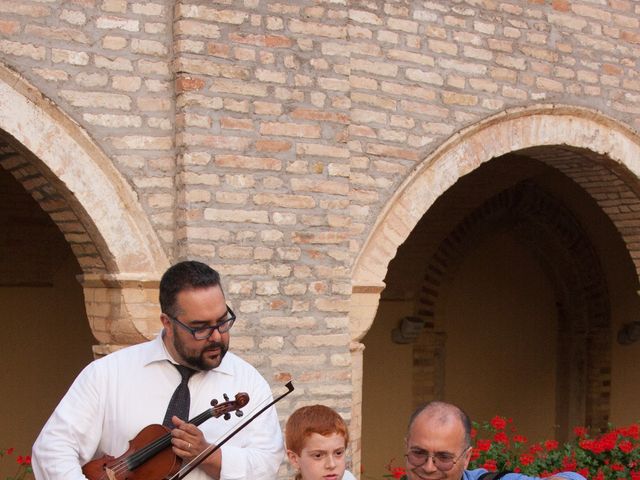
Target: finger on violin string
[[190, 428]]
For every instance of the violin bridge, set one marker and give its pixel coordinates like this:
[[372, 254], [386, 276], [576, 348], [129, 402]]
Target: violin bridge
[[110, 474]]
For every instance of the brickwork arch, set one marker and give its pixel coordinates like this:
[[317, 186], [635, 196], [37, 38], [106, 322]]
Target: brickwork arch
[[99, 214], [597, 152], [563, 250]]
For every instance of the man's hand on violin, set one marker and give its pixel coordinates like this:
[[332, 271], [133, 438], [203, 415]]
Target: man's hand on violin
[[188, 441]]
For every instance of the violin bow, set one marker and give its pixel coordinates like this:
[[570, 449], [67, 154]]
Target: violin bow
[[198, 459]]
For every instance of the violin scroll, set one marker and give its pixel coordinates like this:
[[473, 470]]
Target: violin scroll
[[241, 399]]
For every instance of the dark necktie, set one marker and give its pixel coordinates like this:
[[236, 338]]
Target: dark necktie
[[180, 400]]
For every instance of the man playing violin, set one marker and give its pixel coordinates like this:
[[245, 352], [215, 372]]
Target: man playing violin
[[117, 396]]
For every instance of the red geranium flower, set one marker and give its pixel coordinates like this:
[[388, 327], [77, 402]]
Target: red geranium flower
[[526, 459], [535, 448], [520, 439], [632, 431], [584, 472], [490, 465], [580, 432], [483, 445], [498, 423], [398, 472], [569, 463], [591, 446], [626, 446]]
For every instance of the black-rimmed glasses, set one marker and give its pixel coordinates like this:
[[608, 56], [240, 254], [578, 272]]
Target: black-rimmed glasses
[[443, 461], [202, 333]]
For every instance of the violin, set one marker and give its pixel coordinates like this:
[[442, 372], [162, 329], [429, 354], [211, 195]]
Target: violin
[[202, 456], [149, 455]]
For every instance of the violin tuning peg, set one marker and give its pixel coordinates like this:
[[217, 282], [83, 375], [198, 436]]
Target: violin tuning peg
[[226, 397], [214, 402], [239, 413], [227, 416]]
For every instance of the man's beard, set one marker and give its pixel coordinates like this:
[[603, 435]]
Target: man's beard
[[198, 361]]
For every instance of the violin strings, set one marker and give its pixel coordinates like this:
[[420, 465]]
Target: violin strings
[[124, 464], [159, 444]]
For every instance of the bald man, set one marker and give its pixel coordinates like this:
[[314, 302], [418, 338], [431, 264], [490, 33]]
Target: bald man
[[439, 447]]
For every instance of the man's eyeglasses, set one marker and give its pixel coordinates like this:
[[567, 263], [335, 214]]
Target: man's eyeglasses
[[443, 461], [202, 333]]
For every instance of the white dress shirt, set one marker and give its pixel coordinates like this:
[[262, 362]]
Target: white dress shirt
[[116, 396]]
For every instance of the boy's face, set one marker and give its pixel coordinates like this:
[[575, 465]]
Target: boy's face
[[322, 457]]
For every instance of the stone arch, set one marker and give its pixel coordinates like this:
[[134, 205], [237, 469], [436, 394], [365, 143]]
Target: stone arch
[[99, 214], [563, 250], [600, 154]]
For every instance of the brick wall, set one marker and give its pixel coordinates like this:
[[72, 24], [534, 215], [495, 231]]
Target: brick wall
[[107, 65], [268, 138], [322, 108]]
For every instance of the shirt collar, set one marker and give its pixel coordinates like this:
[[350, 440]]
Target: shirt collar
[[159, 353]]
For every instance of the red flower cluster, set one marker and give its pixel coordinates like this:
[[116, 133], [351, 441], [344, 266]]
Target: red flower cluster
[[395, 472], [23, 470], [611, 455]]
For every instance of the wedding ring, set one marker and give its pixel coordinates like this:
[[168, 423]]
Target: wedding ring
[[188, 446]]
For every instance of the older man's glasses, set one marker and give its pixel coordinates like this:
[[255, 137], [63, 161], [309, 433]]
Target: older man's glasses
[[443, 461], [202, 333]]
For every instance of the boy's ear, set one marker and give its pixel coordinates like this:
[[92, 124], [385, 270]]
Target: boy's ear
[[293, 458]]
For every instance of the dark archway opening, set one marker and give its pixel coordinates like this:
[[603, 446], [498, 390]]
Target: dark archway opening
[[46, 336], [528, 230]]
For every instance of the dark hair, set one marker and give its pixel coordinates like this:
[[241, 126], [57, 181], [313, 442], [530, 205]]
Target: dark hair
[[183, 276], [443, 410], [311, 419]]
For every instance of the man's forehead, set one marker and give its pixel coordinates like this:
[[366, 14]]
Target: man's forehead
[[443, 431], [209, 298], [439, 416]]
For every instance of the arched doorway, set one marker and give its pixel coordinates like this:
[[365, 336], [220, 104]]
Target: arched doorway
[[424, 229], [46, 336], [81, 261]]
